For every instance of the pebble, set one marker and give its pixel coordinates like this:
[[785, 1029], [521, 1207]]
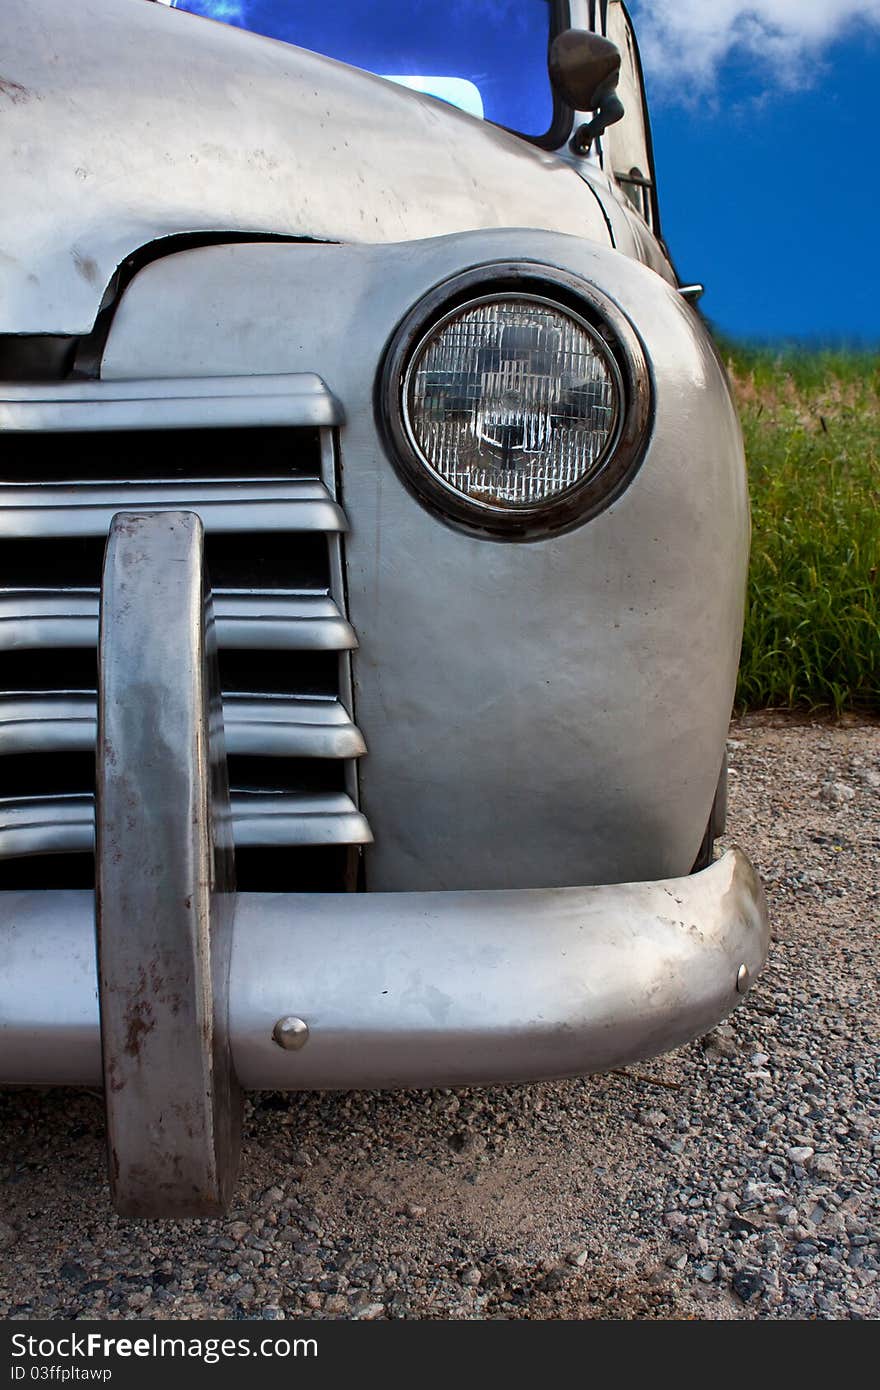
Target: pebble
[[836, 793], [800, 1153], [676, 1221], [577, 1258], [368, 1312], [825, 1164], [720, 1042], [748, 1283]]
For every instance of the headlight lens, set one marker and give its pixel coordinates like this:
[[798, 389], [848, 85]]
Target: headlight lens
[[512, 402], [515, 401]]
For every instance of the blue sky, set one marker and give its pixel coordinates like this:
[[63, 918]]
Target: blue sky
[[769, 172], [766, 117]]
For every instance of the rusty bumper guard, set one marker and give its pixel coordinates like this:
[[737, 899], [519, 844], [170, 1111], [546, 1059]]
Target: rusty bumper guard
[[188, 992]]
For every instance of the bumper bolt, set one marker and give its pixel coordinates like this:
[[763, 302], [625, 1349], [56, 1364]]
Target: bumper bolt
[[291, 1033], [743, 980]]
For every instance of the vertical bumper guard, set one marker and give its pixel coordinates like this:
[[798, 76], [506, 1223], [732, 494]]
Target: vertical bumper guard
[[164, 874]]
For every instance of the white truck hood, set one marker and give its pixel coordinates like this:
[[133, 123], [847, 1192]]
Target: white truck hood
[[122, 122]]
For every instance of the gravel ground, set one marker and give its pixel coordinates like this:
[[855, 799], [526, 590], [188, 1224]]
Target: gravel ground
[[736, 1178]]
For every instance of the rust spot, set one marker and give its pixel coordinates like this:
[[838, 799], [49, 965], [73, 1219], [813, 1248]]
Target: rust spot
[[87, 267], [115, 1082], [16, 93], [140, 1021]]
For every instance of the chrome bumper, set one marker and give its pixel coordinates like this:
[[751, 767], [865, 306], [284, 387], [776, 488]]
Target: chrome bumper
[[406, 989], [174, 993]]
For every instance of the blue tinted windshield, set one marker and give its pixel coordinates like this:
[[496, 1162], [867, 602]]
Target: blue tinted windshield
[[487, 56]]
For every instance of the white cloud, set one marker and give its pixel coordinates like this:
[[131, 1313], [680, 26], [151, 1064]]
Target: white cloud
[[685, 41]]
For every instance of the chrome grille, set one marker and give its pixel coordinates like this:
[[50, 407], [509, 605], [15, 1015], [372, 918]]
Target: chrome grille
[[256, 459]]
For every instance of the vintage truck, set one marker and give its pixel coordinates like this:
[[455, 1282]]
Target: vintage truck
[[374, 539]]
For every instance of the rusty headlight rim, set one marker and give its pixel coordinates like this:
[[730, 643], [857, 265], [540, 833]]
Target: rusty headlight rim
[[567, 293]]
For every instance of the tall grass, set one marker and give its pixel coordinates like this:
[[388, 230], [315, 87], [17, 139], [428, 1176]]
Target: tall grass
[[811, 422]]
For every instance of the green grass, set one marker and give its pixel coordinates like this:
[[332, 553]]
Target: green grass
[[811, 422]]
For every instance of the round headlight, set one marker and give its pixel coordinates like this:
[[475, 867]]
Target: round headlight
[[510, 412], [511, 402]]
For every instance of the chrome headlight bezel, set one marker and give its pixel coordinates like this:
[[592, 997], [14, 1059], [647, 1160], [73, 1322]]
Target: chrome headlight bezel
[[620, 347]]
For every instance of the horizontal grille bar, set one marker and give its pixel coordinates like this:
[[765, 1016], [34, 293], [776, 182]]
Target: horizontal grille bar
[[290, 728], [40, 825], [299, 399], [265, 818], [47, 825], [279, 727], [87, 509], [268, 620], [62, 723]]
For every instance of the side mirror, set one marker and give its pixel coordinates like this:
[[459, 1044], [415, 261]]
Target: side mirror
[[584, 72]]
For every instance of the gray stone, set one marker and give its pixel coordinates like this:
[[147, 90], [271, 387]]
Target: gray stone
[[825, 1165], [800, 1153], [369, 1312], [836, 793], [577, 1258], [748, 1283], [717, 1042], [677, 1222]]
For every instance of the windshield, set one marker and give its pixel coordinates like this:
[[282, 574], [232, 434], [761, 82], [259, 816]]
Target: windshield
[[488, 57]]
